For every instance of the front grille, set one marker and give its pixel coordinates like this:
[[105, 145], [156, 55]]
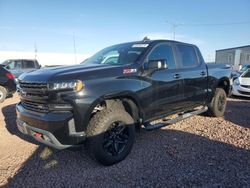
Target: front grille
[[33, 85], [244, 92], [246, 86], [34, 106]]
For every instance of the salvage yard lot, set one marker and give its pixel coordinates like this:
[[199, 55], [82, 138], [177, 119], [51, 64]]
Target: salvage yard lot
[[199, 151]]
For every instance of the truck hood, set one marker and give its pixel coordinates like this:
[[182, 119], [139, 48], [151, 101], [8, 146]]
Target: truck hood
[[63, 73]]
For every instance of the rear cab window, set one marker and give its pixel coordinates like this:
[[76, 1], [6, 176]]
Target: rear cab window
[[28, 64], [187, 56]]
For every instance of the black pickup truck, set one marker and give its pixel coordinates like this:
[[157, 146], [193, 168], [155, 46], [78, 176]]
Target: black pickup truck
[[112, 94]]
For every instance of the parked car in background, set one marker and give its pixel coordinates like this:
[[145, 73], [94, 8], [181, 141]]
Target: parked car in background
[[7, 84], [241, 85], [19, 66]]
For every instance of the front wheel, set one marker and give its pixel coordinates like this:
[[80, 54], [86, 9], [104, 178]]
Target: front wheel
[[217, 107], [111, 135]]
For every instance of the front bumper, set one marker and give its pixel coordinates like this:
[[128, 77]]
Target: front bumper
[[55, 129], [240, 91], [40, 135]]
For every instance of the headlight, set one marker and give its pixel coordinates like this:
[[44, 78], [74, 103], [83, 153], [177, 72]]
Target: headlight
[[67, 86], [236, 82]]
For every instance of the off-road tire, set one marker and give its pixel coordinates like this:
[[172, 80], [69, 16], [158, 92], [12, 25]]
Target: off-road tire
[[217, 107], [3, 94], [100, 125]]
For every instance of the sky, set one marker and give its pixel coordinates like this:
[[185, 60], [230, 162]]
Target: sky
[[90, 25]]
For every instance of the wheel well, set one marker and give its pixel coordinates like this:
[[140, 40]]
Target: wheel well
[[128, 104], [224, 84]]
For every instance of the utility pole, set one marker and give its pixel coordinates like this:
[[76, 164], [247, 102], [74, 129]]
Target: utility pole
[[75, 48], [35, 48], [174, 26]]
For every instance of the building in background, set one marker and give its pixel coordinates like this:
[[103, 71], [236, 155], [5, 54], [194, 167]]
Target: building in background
[[234, 56]]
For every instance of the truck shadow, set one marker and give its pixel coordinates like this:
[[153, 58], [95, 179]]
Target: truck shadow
[[165, 158], [238, 112], [172, 158], [9, 113]]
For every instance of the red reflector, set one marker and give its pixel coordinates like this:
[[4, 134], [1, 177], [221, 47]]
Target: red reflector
[[38, 135], [10, 76]]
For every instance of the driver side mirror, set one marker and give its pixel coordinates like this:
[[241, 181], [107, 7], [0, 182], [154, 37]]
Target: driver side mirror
[[157, 64]]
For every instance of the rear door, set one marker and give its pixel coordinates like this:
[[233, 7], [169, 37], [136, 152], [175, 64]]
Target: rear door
[[164, 93], [193, 73]]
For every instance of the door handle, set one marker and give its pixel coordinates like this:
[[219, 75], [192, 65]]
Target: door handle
[[177, 76], [203, 73]]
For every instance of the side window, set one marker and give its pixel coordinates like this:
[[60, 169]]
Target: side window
[[11, 65], [187, 55], [18, 64], [163, 51], [28, 64]]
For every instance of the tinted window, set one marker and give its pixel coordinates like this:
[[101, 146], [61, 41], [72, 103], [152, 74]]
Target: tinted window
[[13, 64], [244, 68], [18, 64], [187, 55], [118, 54], [28, 64], [161, 52]]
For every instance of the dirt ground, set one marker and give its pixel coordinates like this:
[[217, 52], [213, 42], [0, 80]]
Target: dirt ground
[[197, 152]]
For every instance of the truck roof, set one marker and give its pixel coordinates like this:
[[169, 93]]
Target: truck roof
[[157, 41]]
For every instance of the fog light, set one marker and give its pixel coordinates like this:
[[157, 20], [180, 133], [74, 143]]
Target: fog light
[[38, 135]]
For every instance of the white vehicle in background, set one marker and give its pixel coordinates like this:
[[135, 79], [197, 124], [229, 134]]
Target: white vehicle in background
[[241, 85]]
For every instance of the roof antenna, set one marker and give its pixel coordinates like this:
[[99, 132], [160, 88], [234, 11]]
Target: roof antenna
[[35, 48], [145, 39]]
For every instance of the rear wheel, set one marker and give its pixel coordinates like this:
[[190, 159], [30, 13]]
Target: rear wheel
[[3, 94], [111, 135], [217, 107]]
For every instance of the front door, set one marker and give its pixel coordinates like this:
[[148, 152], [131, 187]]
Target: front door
[[164, 87]]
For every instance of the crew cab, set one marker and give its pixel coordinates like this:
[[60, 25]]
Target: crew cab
[[103, 104]]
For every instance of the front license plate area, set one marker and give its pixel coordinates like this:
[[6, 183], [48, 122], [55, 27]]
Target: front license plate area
[[22, 127]]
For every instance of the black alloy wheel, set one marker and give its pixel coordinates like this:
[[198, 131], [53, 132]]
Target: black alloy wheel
[[116, 139]]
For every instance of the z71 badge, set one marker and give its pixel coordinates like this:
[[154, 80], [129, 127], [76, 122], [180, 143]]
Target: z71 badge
[[129, 71]]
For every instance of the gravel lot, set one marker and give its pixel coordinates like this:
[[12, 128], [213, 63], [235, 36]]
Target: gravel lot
[[199, 152]]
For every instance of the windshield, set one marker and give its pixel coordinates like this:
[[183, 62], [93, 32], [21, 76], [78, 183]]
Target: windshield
[[244, 68], [246, 74], [5, 62], [120, 54]]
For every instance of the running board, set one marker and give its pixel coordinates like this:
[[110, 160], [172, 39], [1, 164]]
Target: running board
[[148, 126]]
